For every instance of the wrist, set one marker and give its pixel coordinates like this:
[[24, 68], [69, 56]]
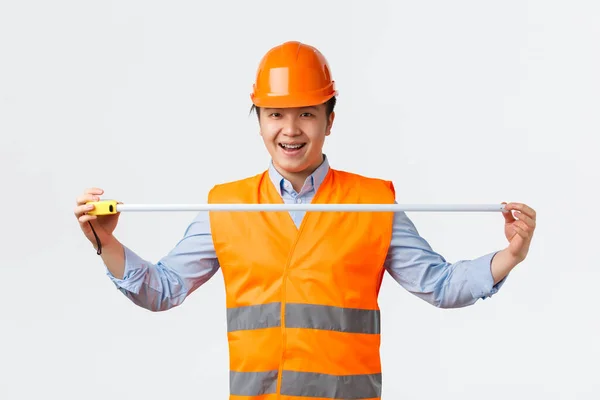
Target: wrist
[[109, 241], [102, 240], [512, 259], [113, 256], [502, 263]]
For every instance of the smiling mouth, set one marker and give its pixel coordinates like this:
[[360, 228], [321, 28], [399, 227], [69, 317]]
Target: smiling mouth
[[296, 146]]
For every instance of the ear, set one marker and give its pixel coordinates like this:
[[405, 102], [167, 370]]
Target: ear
[[330, 123]]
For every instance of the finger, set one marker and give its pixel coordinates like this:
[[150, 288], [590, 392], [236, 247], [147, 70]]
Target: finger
[[524, 208], [529, 211], [93, 190], [508, 216], [86, 217], [82, 209], [525, 218], [520, 233], [87, 197], [523, 229]]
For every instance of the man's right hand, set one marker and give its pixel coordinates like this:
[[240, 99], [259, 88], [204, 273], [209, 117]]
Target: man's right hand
[[104, 225]]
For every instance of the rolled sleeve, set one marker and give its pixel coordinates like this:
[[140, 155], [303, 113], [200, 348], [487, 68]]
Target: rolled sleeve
[[413, 263], [134, 273], [165, 284], [477, 274]]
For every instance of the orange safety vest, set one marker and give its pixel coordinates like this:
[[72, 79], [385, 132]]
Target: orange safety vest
[[302, 314]]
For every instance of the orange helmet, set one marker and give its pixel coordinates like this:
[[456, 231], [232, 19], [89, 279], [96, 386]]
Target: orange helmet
[[293, 74]]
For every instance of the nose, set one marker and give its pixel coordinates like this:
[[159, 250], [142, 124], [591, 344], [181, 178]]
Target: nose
[[291, 127]]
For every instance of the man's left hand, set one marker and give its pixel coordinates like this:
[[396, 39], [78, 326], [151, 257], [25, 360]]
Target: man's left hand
[[519, 228]]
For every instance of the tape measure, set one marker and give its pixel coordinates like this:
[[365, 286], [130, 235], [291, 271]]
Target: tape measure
[[107, 207]]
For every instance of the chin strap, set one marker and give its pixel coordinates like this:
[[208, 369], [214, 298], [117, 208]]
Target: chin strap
[[97, 239]]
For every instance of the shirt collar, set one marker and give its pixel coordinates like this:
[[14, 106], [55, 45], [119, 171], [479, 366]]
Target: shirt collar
[[313, 181]]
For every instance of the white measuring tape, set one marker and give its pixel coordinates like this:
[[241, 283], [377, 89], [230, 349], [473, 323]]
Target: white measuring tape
[[104, 207]]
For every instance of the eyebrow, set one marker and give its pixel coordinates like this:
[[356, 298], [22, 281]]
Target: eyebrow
[[271, 109]]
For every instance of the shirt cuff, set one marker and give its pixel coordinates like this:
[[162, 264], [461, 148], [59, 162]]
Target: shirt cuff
[[480, 278], [133, 274]]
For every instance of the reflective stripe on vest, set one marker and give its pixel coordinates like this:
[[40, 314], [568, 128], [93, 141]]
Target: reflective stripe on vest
[[302, 313], [309, 316], [306, 384]]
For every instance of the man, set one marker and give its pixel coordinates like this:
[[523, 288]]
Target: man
[[302, 288]]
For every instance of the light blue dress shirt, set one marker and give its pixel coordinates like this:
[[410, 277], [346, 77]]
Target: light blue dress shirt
[[410, 261]]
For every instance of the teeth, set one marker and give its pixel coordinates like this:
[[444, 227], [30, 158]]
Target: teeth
[[291, 146]]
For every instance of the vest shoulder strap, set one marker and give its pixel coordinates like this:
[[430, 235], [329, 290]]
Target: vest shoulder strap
[[368, 188], [238, 191]]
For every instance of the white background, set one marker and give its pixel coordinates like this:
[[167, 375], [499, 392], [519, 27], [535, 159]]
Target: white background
[[456, 102]]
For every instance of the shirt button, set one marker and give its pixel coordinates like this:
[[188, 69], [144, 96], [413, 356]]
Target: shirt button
[[298, 200]]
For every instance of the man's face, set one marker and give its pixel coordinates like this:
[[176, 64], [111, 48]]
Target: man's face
[[294, 137]]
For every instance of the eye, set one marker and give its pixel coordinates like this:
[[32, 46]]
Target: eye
[[275, 115], [306, 114]]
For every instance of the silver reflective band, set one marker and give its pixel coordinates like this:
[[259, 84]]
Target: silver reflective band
[[312, 316], [252, 383], [307, 316], [311, 384], [257, 316], [307, 384]]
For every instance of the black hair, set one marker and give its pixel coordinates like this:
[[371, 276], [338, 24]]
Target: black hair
[[329, 107]]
